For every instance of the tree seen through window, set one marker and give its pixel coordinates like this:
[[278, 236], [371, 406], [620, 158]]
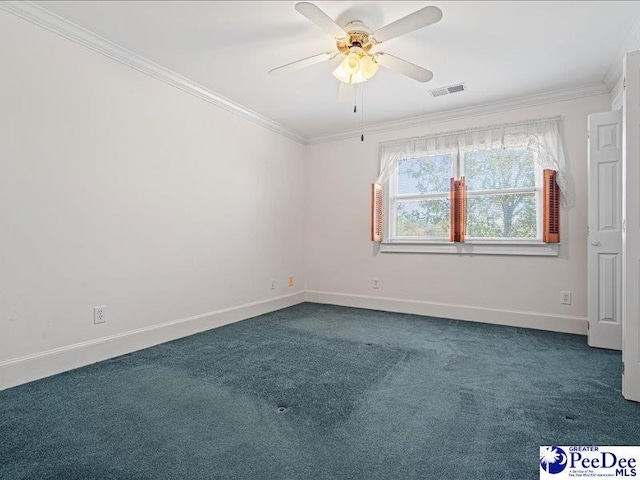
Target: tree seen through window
[[502, 193]]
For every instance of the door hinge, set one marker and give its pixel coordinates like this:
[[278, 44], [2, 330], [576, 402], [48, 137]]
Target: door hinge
[[588, 135], [624, 83]]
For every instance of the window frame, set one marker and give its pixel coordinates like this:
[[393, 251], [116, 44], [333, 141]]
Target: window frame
[[392, 199], [472, 245], [536, 190]]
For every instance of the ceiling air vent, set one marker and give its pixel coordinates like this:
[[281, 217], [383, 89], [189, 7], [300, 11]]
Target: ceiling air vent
[[440, 92]]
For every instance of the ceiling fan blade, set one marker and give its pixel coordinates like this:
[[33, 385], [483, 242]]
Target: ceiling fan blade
[[299, 64], [423, 17], [321, 19], [405, 68]]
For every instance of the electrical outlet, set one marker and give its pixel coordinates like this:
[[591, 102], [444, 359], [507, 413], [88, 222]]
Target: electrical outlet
[[273, 284], [291, 281], [376, 284], [565, 298], [99, 315]]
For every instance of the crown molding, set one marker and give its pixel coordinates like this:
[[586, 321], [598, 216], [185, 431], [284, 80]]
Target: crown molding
[[631, 43], [56, 24], [465, 112]]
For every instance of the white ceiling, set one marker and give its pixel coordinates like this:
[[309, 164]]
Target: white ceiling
[[502, 50]]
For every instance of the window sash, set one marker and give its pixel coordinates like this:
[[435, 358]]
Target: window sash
[[516, 191], [421, 196], [501, 191], [391, 207], [538, 177], [393, 223]]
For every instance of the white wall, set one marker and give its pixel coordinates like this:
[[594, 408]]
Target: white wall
[[341, 261], [117, 189]]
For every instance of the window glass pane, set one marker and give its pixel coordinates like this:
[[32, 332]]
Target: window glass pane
[[425, 175], [499, 169], [423, 218], [502, 216]]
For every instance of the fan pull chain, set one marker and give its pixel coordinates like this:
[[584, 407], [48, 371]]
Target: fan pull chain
[[362, 114], [355, 98]]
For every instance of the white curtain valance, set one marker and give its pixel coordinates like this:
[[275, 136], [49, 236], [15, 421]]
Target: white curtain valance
[[541, 136]]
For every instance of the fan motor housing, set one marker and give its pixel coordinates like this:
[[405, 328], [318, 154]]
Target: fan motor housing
[[354, 40], [357, 37]]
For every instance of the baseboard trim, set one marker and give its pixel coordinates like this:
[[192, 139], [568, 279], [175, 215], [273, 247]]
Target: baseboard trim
[[28, 368], [514, 318]]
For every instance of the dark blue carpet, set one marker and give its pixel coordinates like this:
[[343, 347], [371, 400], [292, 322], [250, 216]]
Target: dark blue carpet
[[366, 395]]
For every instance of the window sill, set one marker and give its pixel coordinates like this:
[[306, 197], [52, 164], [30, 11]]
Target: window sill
[[473, 248]]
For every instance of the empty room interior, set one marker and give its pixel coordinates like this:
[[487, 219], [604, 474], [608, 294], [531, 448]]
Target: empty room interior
[[287, 240]]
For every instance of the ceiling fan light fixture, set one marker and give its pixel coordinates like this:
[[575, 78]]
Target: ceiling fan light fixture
[[369, 66], [356, 68]]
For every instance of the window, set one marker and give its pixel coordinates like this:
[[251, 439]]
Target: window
[[480, 187], [504, 197], [419, 194]]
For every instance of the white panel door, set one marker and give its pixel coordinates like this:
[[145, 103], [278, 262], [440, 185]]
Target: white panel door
[[631, 228], [605, 230]]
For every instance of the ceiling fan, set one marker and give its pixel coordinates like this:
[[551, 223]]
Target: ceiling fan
[[356, 42]]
